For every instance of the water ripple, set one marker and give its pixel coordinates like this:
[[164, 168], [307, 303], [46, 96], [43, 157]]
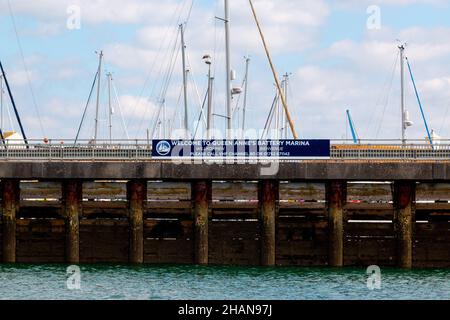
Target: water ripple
[[118, 282]]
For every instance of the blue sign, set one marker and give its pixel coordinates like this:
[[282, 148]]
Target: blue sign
[[242, 149]]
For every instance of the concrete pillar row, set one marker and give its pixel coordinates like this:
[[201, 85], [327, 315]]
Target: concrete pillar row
[[404, 201], [336, 194], [137, 196], [268, 203], [201, 198], [72, 191], [10, 207]]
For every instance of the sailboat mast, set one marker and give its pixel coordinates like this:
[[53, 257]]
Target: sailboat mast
[[186, 112], [98, 95], [110, 107], [164, 121], [209, 125], [244, 109], [228, 70], [285, 121], [13, 105], [1, 101], [277, 120], [402, 86], [275, 76]]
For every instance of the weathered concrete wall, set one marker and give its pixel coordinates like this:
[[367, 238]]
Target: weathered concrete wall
[[283, 223], [315, 171]]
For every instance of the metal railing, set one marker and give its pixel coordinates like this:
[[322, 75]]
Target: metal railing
[[390, 150], [80, 150], [141, 150]]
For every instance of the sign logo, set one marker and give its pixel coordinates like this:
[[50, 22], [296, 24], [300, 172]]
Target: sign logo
[[163, 148], [241, 149]]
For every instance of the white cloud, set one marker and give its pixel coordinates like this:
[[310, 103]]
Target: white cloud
[[64, 73], [345, 74], [99, 11], [137, 108], [359, 79], [45, 29], [360, 3], [129, 57], [20, 78]]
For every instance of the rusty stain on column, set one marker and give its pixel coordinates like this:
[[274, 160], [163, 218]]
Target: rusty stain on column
[[201, 194], [268, 197], [72, 206], [137, 195], [336, 200], [404, 198], [10, 205]]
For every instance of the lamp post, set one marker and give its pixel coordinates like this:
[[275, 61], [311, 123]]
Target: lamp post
[[208, 60]]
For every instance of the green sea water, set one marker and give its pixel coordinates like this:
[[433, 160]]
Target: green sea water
[[119, 282]]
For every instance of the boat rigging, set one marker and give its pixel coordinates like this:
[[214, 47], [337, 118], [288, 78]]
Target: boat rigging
[[113, 99], [13, 103]]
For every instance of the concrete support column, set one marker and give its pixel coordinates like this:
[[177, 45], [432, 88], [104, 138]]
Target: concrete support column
[[72, 191], [268, 197], [336, 200], [137, 195], [404, 199], [10, 205], [201, 195]]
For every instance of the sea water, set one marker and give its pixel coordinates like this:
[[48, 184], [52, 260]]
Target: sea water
[[121, 282]]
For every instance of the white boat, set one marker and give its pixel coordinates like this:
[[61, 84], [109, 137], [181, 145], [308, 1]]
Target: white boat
[[13, 138]]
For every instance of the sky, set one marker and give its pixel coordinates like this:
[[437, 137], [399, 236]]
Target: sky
[[339, 55]]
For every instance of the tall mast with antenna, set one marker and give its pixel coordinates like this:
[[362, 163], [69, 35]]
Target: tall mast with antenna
[[163, 123], [1, 101], [110, 110], [209, 121], [286, 91], [186, 111], [98, 95], [228, 70], [277, 120], [1, 108], [116, 95], [244, 108], [402, 87]]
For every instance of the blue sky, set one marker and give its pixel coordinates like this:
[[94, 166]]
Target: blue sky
[[336, 62]]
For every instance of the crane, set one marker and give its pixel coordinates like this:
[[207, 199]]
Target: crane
[[352, 128], [420, 103]]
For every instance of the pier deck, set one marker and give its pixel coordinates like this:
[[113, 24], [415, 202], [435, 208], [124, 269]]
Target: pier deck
[[307, 213]]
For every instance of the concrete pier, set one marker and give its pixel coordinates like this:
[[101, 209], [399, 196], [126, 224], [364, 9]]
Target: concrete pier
[[434, 171], [336, 199], [268, 197], [10, 207], [201, 195], [404, 198], [72, 191], [137, 195], [322, 213]]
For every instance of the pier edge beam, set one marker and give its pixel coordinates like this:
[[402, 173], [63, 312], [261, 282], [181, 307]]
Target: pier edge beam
[[201, 198], [404, 198], [268, 207], [10, 204], [72, 192], [137, 196], [336, 197]]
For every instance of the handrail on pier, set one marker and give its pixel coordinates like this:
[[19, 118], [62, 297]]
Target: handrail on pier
[[124, 150]]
